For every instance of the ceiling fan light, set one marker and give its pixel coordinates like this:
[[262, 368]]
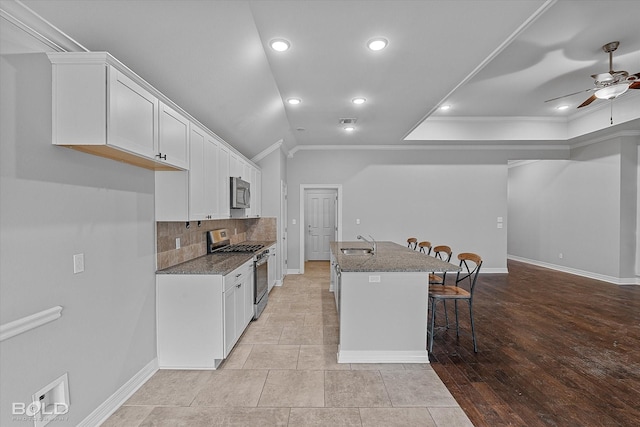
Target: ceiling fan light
[[611, 92]]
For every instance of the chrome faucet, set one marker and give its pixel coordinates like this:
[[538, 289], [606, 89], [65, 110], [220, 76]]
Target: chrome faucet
[[372, 241]]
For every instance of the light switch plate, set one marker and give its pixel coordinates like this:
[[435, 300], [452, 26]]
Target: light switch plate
[[78, 263]]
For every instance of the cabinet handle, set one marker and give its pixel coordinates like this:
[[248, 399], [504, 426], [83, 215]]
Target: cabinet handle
[[239, 274], [238, 285], [161, 156]]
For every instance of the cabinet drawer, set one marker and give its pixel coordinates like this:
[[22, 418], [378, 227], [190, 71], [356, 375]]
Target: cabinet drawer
[[237, 276]]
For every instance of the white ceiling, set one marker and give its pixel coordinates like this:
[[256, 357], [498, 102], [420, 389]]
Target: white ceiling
[[486, 58]]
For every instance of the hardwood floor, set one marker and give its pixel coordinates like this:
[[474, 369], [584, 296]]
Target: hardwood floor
[[554, 349]]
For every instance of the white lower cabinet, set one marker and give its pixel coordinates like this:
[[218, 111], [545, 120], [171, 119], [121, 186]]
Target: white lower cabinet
[[238, 304], [271, 267], [201, 316]]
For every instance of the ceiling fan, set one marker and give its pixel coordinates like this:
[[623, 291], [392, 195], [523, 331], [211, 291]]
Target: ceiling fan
[[608, 85]]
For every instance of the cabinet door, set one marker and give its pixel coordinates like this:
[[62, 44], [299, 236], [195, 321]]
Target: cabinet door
[[256, 193], [271, 266], [224, 202], [211, 186], [247, 284], [230, 310], [173, 144], [197, 168], [133, 116]]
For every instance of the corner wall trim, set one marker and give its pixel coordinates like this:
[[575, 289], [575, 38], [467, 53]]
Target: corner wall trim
[[577, 272], [27, 323], [109, 406]]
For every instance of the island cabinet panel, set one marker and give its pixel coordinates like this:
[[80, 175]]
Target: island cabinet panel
[[383, 317]]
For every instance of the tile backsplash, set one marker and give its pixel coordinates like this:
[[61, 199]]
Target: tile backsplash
[[193, 240]]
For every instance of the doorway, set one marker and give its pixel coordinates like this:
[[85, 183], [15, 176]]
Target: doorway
[[320, 221]]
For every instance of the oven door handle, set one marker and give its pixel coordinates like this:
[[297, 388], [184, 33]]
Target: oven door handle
[[261, 261]]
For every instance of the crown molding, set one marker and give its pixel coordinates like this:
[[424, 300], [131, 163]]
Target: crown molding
[[33, 24], [622, 133], [453, 147], [273, 147]]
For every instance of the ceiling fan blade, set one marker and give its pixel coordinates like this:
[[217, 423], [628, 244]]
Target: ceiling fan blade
[[571, 94], [588, 101]]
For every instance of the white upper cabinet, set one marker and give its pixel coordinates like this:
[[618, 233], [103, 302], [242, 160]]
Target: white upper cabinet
[[173, 139], [224, 185], [132, 119], [192, 195], [203, 175], [101, 107]]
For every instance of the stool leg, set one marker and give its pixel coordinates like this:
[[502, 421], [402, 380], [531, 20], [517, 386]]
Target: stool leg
[[473, 329], [455, 303], [433, 322]]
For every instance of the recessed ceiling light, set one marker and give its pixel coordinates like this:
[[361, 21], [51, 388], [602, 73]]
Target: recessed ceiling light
[[562, 107], [280, 45], [445, 107], [378, 43], [294, 101], [349, 128], [359, 101]]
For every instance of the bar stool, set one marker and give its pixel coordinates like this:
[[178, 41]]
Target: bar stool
[[425, 247], [412, 243], [443, 253], [470, 264]]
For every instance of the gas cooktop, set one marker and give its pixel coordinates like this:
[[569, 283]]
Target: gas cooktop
[[218, 242], [242, 247]]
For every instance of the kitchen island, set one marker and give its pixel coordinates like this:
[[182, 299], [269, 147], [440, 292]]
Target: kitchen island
[[381, 299]]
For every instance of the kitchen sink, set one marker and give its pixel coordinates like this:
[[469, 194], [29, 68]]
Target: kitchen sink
[[357, 251]]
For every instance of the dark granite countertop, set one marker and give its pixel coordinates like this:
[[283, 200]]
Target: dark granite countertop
[[216, 263], [389, 257]]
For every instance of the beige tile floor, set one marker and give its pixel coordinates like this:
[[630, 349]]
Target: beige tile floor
[[283, 372]]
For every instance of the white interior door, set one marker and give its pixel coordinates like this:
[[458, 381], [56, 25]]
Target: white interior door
[[320, 218]]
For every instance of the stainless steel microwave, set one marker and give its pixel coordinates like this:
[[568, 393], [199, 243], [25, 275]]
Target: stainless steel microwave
[[240, 193]]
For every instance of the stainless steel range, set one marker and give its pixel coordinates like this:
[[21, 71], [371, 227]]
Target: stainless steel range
[[218, 242]]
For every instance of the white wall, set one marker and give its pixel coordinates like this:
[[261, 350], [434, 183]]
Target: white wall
[[273, 168], [447, 197], [57, 202], [583, 208]]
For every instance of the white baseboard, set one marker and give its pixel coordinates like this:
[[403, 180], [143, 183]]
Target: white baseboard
[[494, 270], [109, 406], [354, 356], [577, 272], [293, 271]]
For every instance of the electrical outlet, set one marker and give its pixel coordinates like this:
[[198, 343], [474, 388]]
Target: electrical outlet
[[51, 401], [374, 279], [560, 255], [358, 221], [177, 243], [78, 263]]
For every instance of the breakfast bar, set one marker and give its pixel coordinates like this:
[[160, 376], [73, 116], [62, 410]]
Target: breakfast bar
[[381, 297]]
